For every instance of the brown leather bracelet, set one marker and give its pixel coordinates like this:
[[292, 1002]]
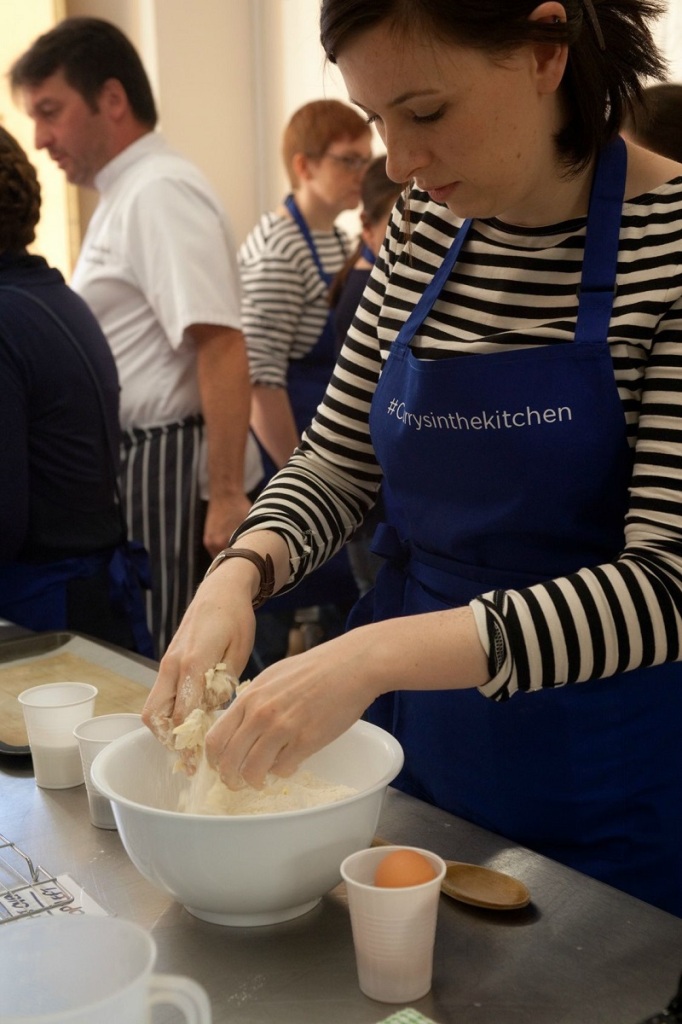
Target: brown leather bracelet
[[264, 565]]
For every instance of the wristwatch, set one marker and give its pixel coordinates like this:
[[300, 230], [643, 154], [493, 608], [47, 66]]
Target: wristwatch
[[264, 565]]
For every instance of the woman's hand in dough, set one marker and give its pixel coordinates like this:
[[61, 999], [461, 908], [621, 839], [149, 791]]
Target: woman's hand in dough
[[292, 709], [218, 627]]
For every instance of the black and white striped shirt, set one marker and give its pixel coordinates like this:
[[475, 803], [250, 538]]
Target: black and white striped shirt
[[284, 303], [509, 286]]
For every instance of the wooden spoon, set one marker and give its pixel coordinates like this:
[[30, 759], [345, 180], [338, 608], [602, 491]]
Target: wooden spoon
[[483, 887], [478, 886]]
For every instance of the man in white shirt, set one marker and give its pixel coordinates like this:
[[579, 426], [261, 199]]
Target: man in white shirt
[[158, 269]]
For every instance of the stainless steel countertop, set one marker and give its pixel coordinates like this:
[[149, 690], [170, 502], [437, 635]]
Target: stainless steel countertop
[[582, 953]]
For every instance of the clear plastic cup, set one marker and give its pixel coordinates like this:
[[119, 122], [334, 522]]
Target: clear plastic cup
[[93, 735], [88, 970], [51, 712], [394, 930]]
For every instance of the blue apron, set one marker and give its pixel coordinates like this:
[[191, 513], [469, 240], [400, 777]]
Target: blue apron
[[307, 378], [523, 477], [307, 381], [36, 595]]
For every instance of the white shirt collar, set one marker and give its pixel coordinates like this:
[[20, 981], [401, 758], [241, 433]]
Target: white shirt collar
[[152, 142]]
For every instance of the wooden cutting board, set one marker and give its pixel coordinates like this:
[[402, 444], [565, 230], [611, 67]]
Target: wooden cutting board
[[115, 691]]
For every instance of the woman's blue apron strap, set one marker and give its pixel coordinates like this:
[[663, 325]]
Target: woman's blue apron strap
[[600, 264], [433, 289]]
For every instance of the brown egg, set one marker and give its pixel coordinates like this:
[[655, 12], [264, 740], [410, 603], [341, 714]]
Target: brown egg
[[402, 868]]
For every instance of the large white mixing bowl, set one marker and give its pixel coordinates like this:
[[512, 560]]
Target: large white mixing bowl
[[248, 869]]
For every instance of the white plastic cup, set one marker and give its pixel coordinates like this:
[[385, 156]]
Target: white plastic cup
[[51, 712], [88, 970], [93, 735], [394, 930]]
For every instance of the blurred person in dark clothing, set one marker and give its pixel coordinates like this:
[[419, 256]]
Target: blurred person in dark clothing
[[64, 559]]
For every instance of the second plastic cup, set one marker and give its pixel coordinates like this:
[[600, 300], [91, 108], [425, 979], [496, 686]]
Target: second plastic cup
[[394, 930], [51, 712], [93, 735]]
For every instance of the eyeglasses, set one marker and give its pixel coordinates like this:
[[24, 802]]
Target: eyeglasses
[[350, 162]]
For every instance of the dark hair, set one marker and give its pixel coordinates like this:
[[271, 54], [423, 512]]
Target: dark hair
[[89, 51], [611, 49], [378, 194], [314, 126], [656, 121], [19, 196]]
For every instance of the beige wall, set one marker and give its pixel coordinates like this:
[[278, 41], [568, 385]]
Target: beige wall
[[199, 58], [290, 71], [20, 22], [205, 78]]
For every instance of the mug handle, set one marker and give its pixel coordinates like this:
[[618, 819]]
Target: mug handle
[[184, 993]]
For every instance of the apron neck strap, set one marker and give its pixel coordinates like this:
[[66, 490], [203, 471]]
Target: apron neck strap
[[433, 288], [600, 262], [302, 226]]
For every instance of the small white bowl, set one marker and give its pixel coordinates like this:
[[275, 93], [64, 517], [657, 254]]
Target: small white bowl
[[248, 869]]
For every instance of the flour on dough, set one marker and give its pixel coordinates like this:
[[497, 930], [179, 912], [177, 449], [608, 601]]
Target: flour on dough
[[206, 793]]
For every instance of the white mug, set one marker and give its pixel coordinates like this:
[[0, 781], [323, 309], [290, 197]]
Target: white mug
[[86, 969]]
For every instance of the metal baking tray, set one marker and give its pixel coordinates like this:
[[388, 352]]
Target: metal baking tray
[[35, 647]]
